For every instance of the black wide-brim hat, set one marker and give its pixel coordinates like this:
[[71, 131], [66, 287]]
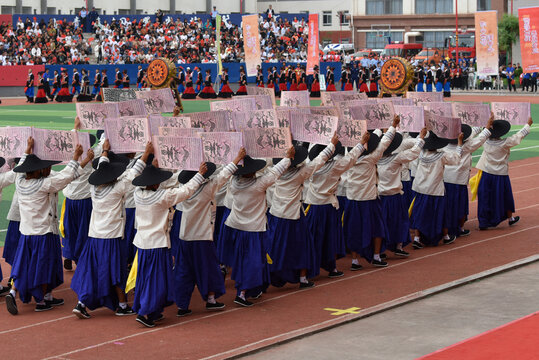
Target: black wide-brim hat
[[433, 142], [318, 148], [299, 157], [2, 161], [395, 143], [186, 175], [151, 176], [106, 173], [98, 133], [113, 158], [466, 130], [250, 166], [499, 128], [33, 163], [413, 134], [93, 140], [372, 144]]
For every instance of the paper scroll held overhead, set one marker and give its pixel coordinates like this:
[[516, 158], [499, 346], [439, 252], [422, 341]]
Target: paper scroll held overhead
[[238, 104], [255, 119], [211, 121], [179, 132], [350, 131], [267, 142], [378, 115], [176, 121], [157, 101], [57, 145], [117, 95], [92, 115], [332, 98], [262, 102], [412, 118], [178, 152], [221, 147], [396, 100], [13, 141], [255, 90], [418, 97], [517, 113], [132, 108], [83, 138], [324, 110], [128, 135], [317, 129], [438, 108], [473, 114], [295, 98], [443, 126]]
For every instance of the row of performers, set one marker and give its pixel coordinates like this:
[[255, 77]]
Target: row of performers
[[440, 79]]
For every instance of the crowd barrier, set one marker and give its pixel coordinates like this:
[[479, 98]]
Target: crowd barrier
[[132, 69]]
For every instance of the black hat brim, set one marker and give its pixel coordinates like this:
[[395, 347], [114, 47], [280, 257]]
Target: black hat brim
[[318, 148], [433, 142], [250, 166], [499, 128], [395, 143], [113, 158], [299, 157], [106, 173], [151, 176], [374, 141], [33, 163], [2, 161], [466, 131], [93, 140], [186, 175]]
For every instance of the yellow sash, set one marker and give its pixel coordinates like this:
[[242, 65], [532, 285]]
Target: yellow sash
[[62, 214], [132, 279], [474, 184], [411, 207]]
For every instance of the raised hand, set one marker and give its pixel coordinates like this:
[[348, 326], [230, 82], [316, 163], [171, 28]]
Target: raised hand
[[365, 139], [240, 156], [423, 133], [77, 123], [396, 121], [147, 151], [78, 152], [29, 145], [106, 145], [291, 152], [335, 139], [461, 139], [530, 121], [203, 168]]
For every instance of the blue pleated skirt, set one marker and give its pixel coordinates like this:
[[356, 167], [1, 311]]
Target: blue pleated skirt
[[420, 87], [428, 216], [439, 86], [129, 235], [395, 213], [99, 270], [154, 289], [197, 265], [29, 91], [38, 261], [326, 227], [343, 200], [494, 199], [363, 221], [175, 234], [456, 206], [217, 224], [12, 241], [249, 263], [76, 225], [429, 87], [225, 246], [408, 192], [292, 249], [181, 88]]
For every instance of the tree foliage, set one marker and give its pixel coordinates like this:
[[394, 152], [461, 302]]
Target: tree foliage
[[507, 33]]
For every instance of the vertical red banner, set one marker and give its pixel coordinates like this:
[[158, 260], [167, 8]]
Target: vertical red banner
[[312, 50], [528, 19]]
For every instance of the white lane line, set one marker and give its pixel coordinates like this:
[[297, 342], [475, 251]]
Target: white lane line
[[286, 295], [513, 150]]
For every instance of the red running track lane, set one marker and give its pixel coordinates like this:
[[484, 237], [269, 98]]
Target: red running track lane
[[281, 313], [515, 340]]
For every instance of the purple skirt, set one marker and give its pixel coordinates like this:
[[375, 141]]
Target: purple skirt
[[197, 265], [292, 249], [408, 193], [99, 270], [456, 206], [76, 225], [175, 234], [12, 241], [38, 261], [428, 216], [495, 199], [395, 213], [217, 224], [249, 264], [225, 246], [343, 200], [129, 235], [154, 289], [326, 227], [363, 221]]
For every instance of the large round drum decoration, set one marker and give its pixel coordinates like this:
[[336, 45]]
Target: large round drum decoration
[[396, 75], [160, 72]]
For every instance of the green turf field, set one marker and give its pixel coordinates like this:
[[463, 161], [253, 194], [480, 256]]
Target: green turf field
[[61, 117]]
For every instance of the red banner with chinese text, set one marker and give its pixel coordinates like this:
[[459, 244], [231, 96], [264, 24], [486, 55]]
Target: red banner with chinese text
[[528, 19], [312, 50]]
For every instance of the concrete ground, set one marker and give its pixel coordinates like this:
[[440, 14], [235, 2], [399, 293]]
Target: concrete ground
[[422, 327]]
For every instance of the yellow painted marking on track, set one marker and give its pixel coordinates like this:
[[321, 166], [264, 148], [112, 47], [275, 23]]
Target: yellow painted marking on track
[[337, 312]]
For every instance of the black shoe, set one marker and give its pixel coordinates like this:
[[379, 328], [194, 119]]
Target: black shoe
[[158, 317], [383, 256], [55, 302], [4, 291], [68, 264], [482, 228], [417, 245], [451, 240], [80, 312], [242, 302], [464, 232], [145, 321], [257, 296], [11, 304], [335, 274], [125, 311], [355, 267], [182, 312], [43, 307], [379, 263], [514, 221], [215, 306], [306, 285], [400, 252]]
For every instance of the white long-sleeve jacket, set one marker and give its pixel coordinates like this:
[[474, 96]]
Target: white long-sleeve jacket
[[389, 169], [429, 177]]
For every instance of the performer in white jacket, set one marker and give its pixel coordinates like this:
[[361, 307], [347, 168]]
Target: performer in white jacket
[[6, 178]]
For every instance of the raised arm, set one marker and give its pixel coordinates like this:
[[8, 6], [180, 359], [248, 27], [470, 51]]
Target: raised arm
[[412, 153], [266, 180], [183, 192], [226, 173], [350, 159], [453, 157], [124, 184], [516, 139], [313, 166], [58, 181]]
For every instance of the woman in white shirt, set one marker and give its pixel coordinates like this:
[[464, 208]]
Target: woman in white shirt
[[245, 227], [494, 195], [427, 219]]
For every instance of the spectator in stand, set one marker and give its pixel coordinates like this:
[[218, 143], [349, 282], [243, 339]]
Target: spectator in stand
[[270, 12], [83, 18], [159, 15], [92, 18], [214, 14]]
